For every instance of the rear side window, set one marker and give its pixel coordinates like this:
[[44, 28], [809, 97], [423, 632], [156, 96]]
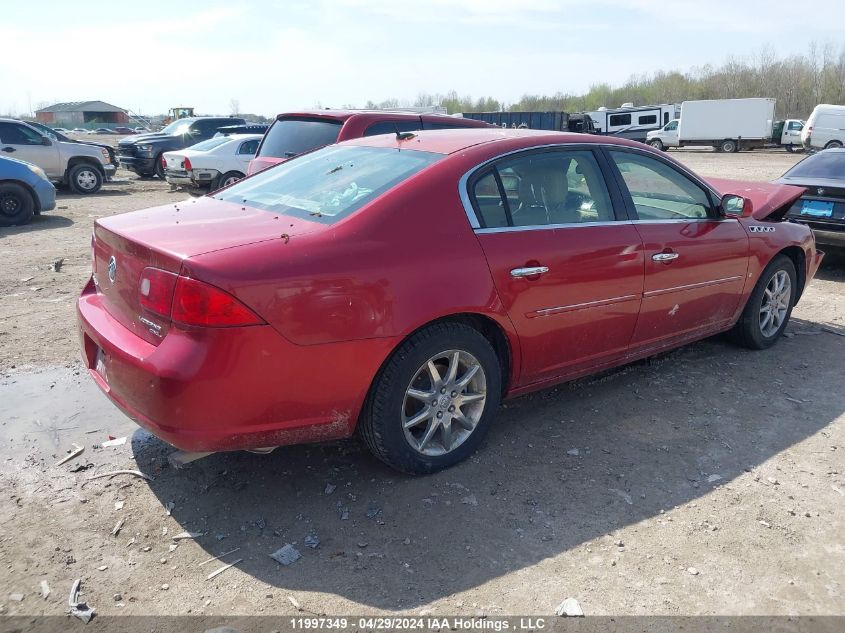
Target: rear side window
[[289, 137], [249, 147], [328, 184], [541, 189], [437, 125], [391, 127]]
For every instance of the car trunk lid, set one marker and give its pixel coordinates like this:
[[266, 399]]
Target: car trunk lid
[[770, 201], [164, 237]]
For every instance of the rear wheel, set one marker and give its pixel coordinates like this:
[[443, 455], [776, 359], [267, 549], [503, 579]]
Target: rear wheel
[[229, 178], [769, 306], [833, 144], [728, 145], [434, 400], [16, 205], [85, 178]]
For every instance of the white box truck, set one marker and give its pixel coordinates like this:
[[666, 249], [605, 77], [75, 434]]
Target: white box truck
[[727, 125]]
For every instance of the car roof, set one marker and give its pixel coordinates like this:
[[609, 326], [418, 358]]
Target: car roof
[[374, 115], [456, 140]]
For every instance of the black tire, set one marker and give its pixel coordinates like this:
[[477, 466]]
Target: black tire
[[381, 423], [833, 144], [728, 145], [657, 144], [84, 178], [159, 167], [748, 331], [16, 205], [789, 148], [228, 176]]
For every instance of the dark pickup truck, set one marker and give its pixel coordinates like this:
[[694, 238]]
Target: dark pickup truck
[[142, 153]]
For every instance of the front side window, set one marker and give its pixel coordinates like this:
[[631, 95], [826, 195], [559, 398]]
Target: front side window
[[672, 125], [540, 189], [795, 126], [620, 119], [16, 134], [660, 192], [328, 184]]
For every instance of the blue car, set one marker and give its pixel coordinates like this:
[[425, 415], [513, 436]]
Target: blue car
[[24, 191]]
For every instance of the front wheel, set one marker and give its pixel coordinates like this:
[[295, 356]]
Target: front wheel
[[432, 403], [159, 167], [790, 148], [833, 144], [16, 205], [769, 306], [85, 178], [657, 144]]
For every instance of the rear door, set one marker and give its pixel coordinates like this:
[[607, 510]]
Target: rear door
[[24, 143], [695, 260], [567, 264]]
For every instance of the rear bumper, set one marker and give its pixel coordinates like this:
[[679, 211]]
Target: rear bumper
[[192, 178], [220, 389]]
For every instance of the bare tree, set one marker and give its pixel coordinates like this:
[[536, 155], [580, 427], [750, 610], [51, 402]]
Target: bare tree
[[234, 106]]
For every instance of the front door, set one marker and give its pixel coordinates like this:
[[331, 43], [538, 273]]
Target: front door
[[26, 144], [695, 260], [570, 273]]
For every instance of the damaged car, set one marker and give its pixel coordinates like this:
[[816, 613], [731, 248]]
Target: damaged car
[[400, 286]]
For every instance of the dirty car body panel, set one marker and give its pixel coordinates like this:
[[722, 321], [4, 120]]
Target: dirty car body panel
[[323, 283]]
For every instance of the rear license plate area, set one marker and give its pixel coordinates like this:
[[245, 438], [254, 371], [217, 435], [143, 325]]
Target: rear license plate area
[[816, 209]]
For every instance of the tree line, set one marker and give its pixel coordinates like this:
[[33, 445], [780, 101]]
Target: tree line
[[798, 82]]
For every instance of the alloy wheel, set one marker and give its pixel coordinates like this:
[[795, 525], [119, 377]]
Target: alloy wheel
[[775, 304], [444, 402]]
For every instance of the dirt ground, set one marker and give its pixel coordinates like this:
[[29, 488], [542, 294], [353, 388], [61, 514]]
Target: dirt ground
[[710, 480]]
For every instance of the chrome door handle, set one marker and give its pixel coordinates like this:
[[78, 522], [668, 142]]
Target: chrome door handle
[[664, 257], [529, 272]]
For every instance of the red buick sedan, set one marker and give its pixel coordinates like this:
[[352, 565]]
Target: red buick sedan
[[403, 286]]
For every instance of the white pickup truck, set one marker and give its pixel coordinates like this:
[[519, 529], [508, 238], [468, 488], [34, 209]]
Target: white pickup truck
[[82, 167], [728, 125]]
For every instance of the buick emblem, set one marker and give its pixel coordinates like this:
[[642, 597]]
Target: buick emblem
[[820, 191], [112, 269]]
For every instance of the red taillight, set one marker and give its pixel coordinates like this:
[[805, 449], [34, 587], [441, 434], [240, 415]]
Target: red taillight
[[191, 302], [188, 166], [156, 290], [197, 303], [163, 161]]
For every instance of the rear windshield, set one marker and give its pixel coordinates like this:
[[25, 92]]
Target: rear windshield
[[822, 165], [289, 137], [328, 184], [204, 146]]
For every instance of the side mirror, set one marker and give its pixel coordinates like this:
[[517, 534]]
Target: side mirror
[[733, 206], [46, 141]]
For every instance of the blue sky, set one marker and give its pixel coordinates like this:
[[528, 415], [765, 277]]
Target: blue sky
[[277, 56]]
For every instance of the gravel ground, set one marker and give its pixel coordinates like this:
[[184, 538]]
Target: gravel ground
[[710, 480]]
